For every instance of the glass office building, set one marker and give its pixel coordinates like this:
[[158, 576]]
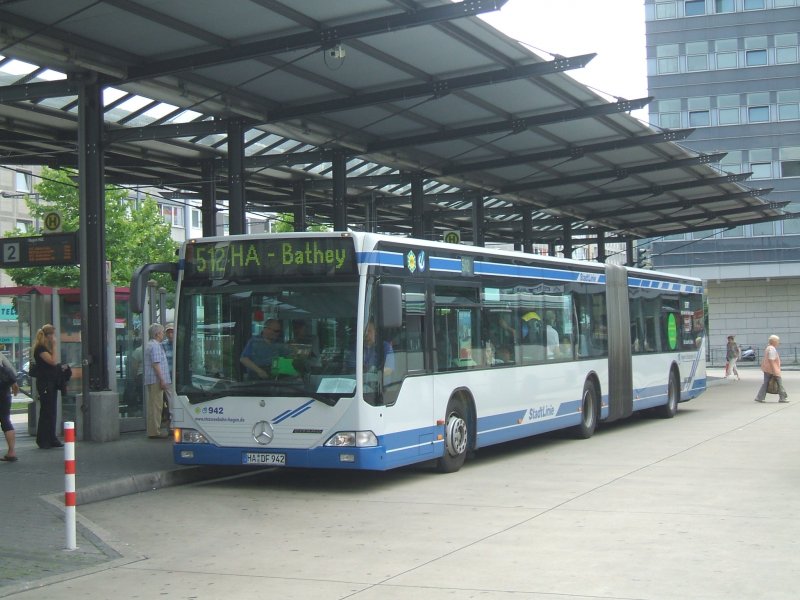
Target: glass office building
[[730, 69]]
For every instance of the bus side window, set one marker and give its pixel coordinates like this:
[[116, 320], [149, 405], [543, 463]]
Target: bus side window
[[446, 335]]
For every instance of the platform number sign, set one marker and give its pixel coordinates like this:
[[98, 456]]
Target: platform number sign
[[11, 253]]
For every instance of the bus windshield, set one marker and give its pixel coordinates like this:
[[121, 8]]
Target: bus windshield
[[267, 340]]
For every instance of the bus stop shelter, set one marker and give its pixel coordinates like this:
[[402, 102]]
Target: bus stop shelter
[[401, 116]]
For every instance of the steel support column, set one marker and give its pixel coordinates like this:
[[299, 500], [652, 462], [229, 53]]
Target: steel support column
[[371, 213], [236, 196], [601, 245], [478, 218], [527, 231], [417, 206], [299, 206], [209, 199], [629, 253], [427, 225], [92, 239], [567, 240], [339, 175]]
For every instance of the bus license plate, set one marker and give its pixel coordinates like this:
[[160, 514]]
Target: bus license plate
[[265, 458]]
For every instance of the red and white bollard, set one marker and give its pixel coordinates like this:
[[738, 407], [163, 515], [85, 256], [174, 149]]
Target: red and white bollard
[[69, 484]]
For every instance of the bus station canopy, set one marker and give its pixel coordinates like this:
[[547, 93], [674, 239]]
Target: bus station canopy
[[439, 121]]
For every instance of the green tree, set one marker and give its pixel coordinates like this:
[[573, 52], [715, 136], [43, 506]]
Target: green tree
[[284, 222], [134, 235]]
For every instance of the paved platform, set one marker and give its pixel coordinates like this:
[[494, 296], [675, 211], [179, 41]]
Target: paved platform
[[31, 490], [32, 529]]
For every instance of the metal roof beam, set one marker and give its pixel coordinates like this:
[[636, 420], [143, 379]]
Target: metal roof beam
[[324, 37], [653, 190], [159, 132], [38, 91], [514, 125], [437, 88], [717, 214], [367, 181], [615, 174], [289, 158], [689, 229], [632, 210], [573, 152]]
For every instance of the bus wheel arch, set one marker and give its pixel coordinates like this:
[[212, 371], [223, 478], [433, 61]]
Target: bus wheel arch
[[668, 410], [590, 408], [459, 432]]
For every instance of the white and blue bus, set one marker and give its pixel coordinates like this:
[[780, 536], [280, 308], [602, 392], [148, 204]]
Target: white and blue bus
[[378, 351]]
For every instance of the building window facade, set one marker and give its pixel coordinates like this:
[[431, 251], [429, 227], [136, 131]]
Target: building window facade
[[173, 215]]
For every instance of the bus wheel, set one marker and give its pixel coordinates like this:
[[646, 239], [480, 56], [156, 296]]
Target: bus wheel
[[589, 412], [668, 410], [456, 438]]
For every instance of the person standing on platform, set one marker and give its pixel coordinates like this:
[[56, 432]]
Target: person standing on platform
[[157, 379], [47, 381], [8, 385], [168, 344]]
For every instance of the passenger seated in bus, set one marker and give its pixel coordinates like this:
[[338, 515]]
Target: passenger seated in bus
[[261, 349], [531, 337], [553, 343], [504, 339]]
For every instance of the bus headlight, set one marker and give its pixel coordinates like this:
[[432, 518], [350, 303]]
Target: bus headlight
[[357, 439], [189, 436]]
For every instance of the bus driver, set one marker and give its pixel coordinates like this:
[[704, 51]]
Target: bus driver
[[261, 349]]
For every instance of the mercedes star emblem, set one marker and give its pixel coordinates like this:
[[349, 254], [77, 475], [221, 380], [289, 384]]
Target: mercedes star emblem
[[263, 432]]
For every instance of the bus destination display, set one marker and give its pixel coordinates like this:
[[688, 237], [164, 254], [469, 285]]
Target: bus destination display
[[270, 258]]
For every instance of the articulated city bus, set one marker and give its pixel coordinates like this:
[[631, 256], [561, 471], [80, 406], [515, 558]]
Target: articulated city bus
[[366, 351]]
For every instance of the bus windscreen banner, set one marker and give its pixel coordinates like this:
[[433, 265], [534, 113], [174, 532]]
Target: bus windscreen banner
[[260, 258]]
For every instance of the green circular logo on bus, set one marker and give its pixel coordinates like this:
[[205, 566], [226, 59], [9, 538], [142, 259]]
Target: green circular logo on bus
[[672, 331]]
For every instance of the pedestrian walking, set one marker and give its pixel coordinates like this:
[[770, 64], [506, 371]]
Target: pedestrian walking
[[732, 354], [771, 366]]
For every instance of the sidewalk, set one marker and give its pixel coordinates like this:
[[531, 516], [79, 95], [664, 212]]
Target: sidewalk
[[32, 527]]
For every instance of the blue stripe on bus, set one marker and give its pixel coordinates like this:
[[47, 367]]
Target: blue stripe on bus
[[380, 258], [451, 265], [687, 288], [535, 272], [287, 414], [384, 258]]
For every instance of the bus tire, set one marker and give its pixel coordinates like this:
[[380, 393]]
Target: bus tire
[[456, 437], [668, 410], [589, 412]]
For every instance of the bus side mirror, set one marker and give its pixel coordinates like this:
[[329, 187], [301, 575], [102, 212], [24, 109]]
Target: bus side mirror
[[139, 281], [390, 299]]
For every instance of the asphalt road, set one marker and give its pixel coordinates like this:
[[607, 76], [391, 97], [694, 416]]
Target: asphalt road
[[702, 506]]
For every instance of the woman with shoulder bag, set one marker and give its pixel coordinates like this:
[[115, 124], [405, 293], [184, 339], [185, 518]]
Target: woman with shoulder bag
[[47, 380], [771, 366]]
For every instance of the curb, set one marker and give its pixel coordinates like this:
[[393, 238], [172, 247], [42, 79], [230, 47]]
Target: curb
[[145, 482]]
